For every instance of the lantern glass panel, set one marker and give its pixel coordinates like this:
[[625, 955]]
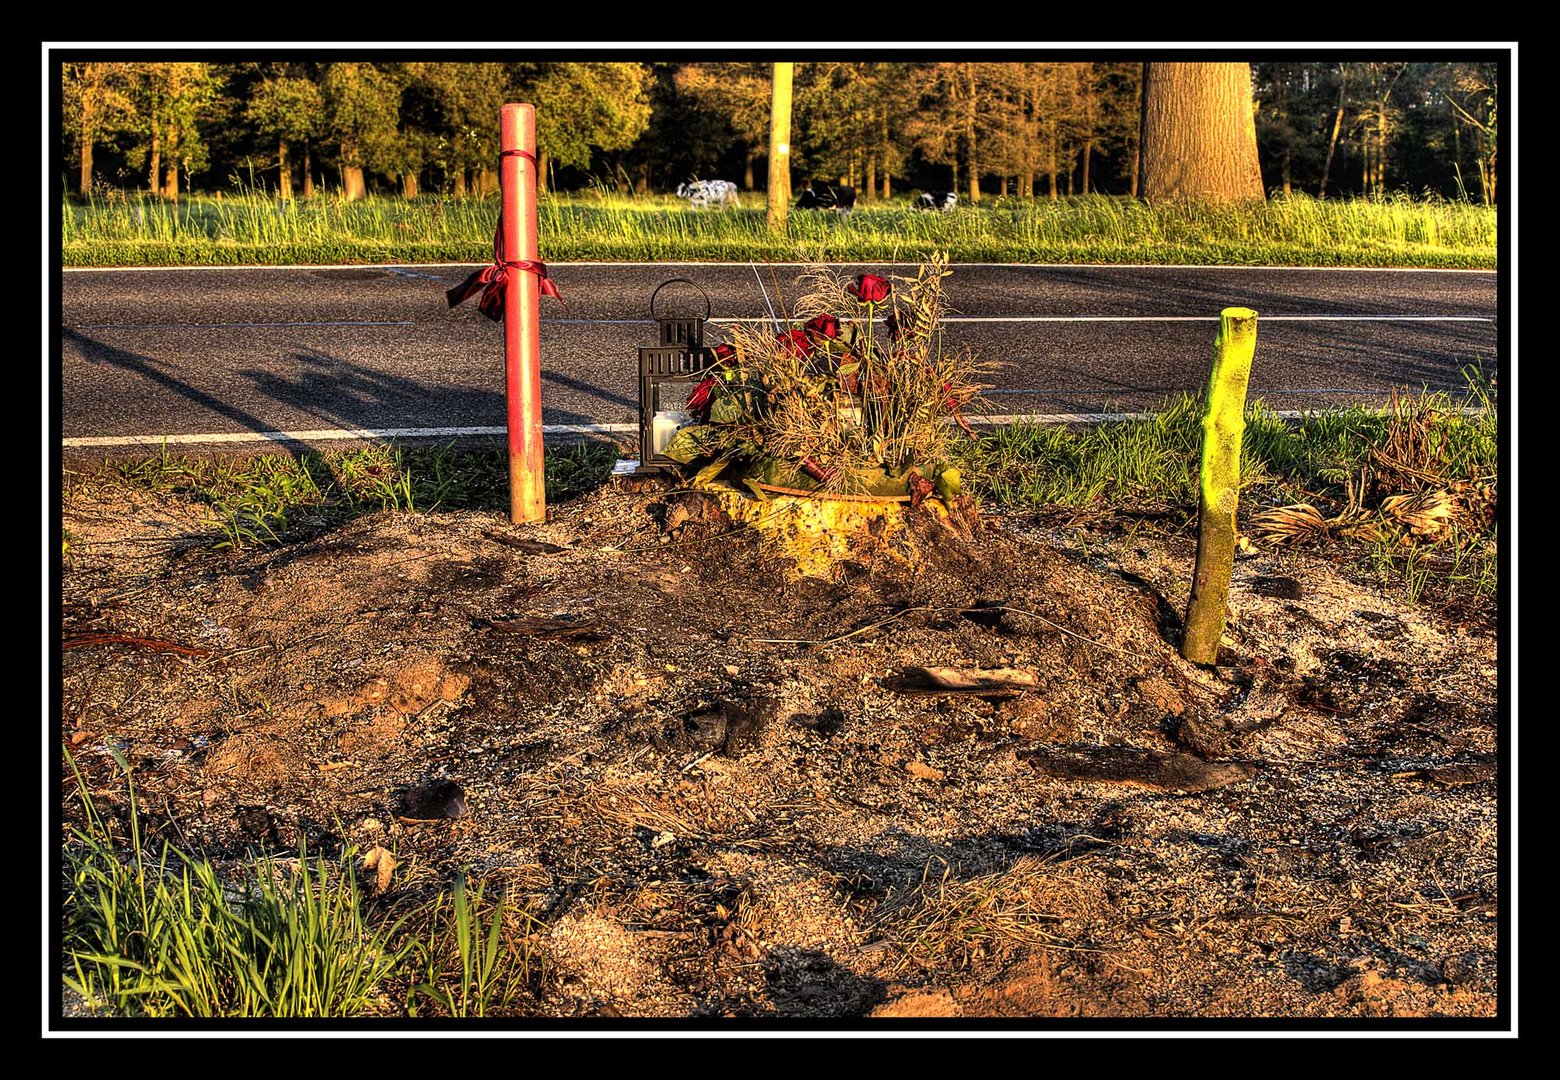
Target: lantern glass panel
[[669, 403]]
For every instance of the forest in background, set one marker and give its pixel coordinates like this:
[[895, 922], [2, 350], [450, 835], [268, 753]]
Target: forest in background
[[983, 129]]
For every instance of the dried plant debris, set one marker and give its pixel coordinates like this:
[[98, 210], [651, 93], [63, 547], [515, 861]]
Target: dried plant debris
[[1138, 768], [949, 680]]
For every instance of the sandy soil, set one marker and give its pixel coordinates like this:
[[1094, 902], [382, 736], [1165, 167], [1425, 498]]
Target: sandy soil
[[707, 822]]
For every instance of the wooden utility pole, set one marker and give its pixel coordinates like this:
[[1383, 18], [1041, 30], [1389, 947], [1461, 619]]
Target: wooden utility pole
[[780, 147], [522, 341]]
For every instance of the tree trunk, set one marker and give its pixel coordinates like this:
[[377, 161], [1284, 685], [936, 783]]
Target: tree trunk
[[541, 170], [1026, 183], [1137, 137], [458, 182], [1088, 152], [747, 169], [409, 185], [86, 162], [1200, 134], [642, 181], [1051, 165], [888, 190], [153, 181], [284, 171], [969, 135], [308, 174], [171, 182], [1332, 143], [870, 188], [352, 183], [1284, 159], [779, 200]]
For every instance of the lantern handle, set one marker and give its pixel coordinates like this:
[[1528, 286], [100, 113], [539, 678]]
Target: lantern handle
[[685, 281]]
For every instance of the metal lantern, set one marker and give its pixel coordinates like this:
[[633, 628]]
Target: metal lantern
[[668, 372]]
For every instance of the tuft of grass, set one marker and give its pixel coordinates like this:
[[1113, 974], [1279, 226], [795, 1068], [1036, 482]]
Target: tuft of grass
[[249, 226], [160, 934], [163, 933], [474, 958]]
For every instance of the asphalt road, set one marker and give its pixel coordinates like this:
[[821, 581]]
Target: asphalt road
[[210, 352]]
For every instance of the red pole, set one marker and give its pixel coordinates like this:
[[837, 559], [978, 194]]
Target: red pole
[[522, 339]]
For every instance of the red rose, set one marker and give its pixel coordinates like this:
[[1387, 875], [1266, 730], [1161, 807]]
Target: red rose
[[869, 288], [699, 400], [724, 354], [824, 326], [795, 343]]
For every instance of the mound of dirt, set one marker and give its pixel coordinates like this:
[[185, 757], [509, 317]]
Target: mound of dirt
[[702, 779]]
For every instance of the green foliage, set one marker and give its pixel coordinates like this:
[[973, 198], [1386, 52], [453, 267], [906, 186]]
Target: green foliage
[[362, 109], [471, 961], [287, 108], [161, 934], [1296, 231], [581, 106]]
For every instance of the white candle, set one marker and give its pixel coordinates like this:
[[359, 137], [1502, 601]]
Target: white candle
[[665, 425]]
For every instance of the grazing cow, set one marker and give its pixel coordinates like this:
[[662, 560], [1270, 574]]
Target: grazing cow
[[936, 200], [704, 193], [837, 197]]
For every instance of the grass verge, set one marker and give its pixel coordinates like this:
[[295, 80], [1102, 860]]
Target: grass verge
[[1407, 492], [268, 497], [1295, 231]]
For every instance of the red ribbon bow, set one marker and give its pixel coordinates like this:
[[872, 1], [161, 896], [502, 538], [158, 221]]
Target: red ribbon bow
[[493, 280]]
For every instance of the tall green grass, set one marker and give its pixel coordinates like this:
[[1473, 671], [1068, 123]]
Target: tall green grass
[[253, 228], [160, 934], [165, 934]]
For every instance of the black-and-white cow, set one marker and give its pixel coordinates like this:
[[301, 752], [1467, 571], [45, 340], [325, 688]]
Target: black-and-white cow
[[837, 197], [705, 193], [936, 200]]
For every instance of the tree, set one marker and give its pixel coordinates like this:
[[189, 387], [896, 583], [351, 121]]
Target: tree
[[1473, 94], [362, 108], [1199, 134], [290, 110], [582, 107], [172, 101], [96, 105], [449, 119], [738, 94], [780, 147]]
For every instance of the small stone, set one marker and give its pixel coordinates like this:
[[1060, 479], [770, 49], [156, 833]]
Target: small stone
[[660, 840], [922, 771], [371, 824], [732, 669]]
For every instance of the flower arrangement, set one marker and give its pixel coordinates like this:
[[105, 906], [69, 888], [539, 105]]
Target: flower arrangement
[[856, 395]]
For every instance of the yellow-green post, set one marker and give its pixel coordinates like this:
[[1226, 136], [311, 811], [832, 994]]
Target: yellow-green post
[[779, 198], [1219, 483]]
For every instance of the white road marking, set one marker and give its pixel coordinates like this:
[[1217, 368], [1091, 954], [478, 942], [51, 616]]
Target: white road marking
[[235, 325], [328, 435], [550, 263], [762, 319], [342, 434]]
